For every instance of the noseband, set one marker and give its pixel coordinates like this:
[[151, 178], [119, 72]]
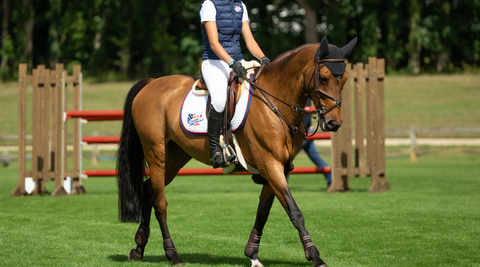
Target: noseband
[[316, 87]]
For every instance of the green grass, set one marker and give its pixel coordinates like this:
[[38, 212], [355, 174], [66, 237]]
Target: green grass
[[429, 218], [432, 101]]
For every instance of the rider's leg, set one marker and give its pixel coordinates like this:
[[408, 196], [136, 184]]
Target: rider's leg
[[216, 73], [214, 128]]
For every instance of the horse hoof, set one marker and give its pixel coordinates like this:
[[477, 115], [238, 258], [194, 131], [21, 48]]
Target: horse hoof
[[133, 256], [256, 263], [178, 262]]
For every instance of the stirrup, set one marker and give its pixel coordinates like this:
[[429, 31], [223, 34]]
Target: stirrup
[[232, 159]]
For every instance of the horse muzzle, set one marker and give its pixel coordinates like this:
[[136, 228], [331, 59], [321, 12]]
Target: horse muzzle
[[330, 125]]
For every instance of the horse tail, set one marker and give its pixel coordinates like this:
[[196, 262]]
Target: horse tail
[[130, 162]]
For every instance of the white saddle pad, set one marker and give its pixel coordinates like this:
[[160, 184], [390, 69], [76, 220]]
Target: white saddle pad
[[192, 113]]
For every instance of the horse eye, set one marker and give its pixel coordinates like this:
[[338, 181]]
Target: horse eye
[[323, 79], [339, 77]]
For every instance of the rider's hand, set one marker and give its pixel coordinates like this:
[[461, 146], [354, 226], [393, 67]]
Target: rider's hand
[[265, 61], [239, 69]]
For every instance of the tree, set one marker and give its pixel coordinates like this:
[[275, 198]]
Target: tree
[[5, 42], [311, 34], [416, 31], [28, 20]]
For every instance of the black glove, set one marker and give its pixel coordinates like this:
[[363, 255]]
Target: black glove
[[265, 61], [239, 69]]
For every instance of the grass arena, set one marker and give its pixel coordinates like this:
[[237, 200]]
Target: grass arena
[[429, 218]]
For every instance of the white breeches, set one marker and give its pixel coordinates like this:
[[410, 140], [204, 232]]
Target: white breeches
[[216, 72]]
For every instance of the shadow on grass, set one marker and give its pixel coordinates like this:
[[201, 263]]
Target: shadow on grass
[[324, 190], [211, 260]]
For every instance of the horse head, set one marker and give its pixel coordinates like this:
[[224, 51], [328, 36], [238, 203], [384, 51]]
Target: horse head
[[329, 78]]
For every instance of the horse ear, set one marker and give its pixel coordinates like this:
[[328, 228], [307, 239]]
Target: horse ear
[[324, 49], [349, 47]]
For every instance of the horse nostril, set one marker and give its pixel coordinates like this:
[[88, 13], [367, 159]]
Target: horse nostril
[[332, 125]]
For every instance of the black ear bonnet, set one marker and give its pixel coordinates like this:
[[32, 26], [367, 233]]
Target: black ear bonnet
[[325, 51]]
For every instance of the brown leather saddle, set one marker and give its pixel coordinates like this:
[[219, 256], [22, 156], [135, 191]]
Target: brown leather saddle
[[230, 106]]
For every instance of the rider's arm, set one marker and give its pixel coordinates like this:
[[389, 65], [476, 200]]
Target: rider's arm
[[250, 41]]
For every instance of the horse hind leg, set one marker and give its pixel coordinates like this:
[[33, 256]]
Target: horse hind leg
[[143, 232], [175, 160]]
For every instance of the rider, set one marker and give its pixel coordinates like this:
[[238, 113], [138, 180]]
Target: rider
[[222, 23]]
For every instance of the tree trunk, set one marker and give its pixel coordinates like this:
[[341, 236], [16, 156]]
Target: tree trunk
[[28, 31], [311, 34], [414, 38], [443, 59], [6, 16]]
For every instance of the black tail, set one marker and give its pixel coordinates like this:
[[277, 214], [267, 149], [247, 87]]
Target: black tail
[[130, 162]]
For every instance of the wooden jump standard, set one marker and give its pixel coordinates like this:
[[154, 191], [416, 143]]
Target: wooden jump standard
[[49, 94], [49, 129], [367, 84]]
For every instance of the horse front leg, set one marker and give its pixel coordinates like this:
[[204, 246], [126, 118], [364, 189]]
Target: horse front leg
[[297, 219], [277, 181], [266, 200], [143, 232], [296, 216]]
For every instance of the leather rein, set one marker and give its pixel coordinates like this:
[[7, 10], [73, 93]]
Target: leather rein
[[297, 109]]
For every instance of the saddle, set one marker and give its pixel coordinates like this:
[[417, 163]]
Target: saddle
[[232, 95], [230, 106]]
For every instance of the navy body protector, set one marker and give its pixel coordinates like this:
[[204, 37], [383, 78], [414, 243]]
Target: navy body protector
[[229, 26]]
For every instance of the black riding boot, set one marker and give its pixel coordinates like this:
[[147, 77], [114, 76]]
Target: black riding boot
[[214, 129]]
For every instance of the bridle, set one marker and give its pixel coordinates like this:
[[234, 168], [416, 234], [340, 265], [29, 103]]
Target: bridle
[[316, 87], [297, 109]]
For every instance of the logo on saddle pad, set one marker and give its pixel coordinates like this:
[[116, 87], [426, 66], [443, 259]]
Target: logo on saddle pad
[[194, 119], [238, 8]]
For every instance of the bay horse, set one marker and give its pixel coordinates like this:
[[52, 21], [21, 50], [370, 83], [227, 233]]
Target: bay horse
[[152, 136]]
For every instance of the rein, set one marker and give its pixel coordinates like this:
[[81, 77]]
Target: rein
[[274, 108], [297, 109]]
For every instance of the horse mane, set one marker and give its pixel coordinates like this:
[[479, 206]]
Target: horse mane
[[288, 53]]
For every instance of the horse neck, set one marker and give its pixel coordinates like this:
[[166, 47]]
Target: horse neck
[[287, 77]]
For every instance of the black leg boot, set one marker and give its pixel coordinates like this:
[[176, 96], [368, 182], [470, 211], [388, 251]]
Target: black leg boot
[[214, 129]]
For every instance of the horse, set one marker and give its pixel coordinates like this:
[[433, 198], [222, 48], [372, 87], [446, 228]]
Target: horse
[[152, 135]]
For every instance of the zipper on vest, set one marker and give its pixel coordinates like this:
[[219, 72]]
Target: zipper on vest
[[234, 25], [233, 10]]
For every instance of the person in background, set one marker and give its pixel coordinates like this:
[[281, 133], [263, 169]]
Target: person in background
[[309, 147]]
